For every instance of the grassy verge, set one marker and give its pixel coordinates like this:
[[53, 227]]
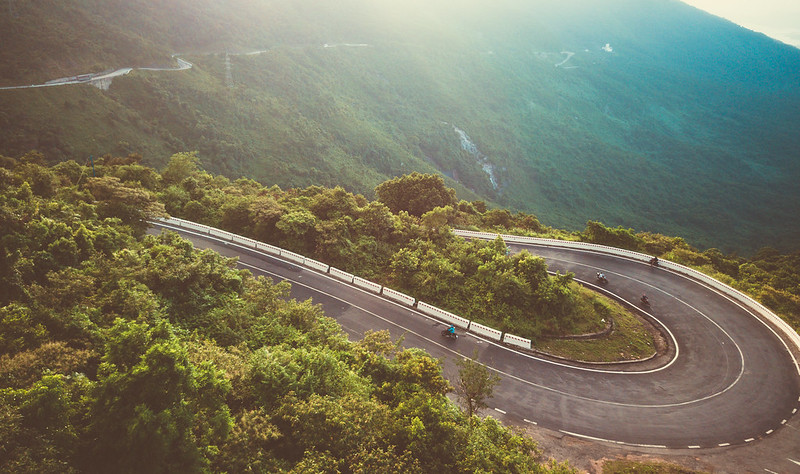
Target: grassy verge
[[592, 310], [630, 339]]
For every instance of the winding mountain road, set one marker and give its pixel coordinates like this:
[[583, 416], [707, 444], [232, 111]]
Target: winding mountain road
[[731, 380], [102, 80]]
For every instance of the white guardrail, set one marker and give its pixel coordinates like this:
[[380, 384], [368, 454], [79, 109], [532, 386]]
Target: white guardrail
[[753, 305], [318, 266], [446, 316], [517, 341], [367, 285], [293, 257], [487, 332], [342, 275], [397, 296]]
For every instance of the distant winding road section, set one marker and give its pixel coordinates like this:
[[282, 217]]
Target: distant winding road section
[[101, 80], [732, 379]]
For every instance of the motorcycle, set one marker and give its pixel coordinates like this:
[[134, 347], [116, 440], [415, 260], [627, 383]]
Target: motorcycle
[[653, 262], [451, 335], [601, 278], [645, 302]]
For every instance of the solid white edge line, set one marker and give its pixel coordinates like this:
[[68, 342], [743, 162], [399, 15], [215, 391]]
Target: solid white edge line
[[499, 411], [701, 283], [696, 280], [771, 472], [274, 257], [677, 348], [740, 305], [593, 438], [588, 437], [666, 328]]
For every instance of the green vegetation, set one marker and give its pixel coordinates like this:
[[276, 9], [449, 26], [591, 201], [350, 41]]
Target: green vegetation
[[416, 254], [685, 128], [120, 349], [124, 352], [421, 257]]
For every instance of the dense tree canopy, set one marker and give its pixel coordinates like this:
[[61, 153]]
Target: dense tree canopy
[[415, 193], [123, 352]]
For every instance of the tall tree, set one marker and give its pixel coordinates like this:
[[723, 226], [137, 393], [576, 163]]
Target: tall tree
[[133, 205], [415, 193], [475, 384], [181, 166]]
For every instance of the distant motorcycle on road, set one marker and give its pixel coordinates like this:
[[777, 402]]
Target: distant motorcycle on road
[[601, 278]]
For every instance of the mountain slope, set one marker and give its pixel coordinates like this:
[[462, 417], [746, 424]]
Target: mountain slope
[[649, 114]]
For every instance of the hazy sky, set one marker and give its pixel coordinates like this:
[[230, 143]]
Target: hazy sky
[[779, 19]]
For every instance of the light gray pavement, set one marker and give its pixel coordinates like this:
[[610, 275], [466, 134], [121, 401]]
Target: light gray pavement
[[101, 80]]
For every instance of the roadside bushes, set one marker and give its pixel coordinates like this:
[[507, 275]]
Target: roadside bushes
[[620, 237]]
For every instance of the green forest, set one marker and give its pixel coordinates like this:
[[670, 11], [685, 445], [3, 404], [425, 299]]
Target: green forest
[[684, 125], [121, 352], [127, 352]]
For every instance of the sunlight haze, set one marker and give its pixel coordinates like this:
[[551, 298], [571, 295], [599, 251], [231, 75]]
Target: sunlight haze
[[779, 19]]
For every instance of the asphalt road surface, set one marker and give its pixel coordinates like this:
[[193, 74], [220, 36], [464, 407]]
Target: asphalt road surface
[[730, 381]]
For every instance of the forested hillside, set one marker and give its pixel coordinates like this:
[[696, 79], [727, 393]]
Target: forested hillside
[[123, 352], [647, 114]]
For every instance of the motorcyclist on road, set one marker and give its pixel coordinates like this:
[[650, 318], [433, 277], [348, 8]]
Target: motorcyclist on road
[[644, 299], [451, 329], [654, 261]]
